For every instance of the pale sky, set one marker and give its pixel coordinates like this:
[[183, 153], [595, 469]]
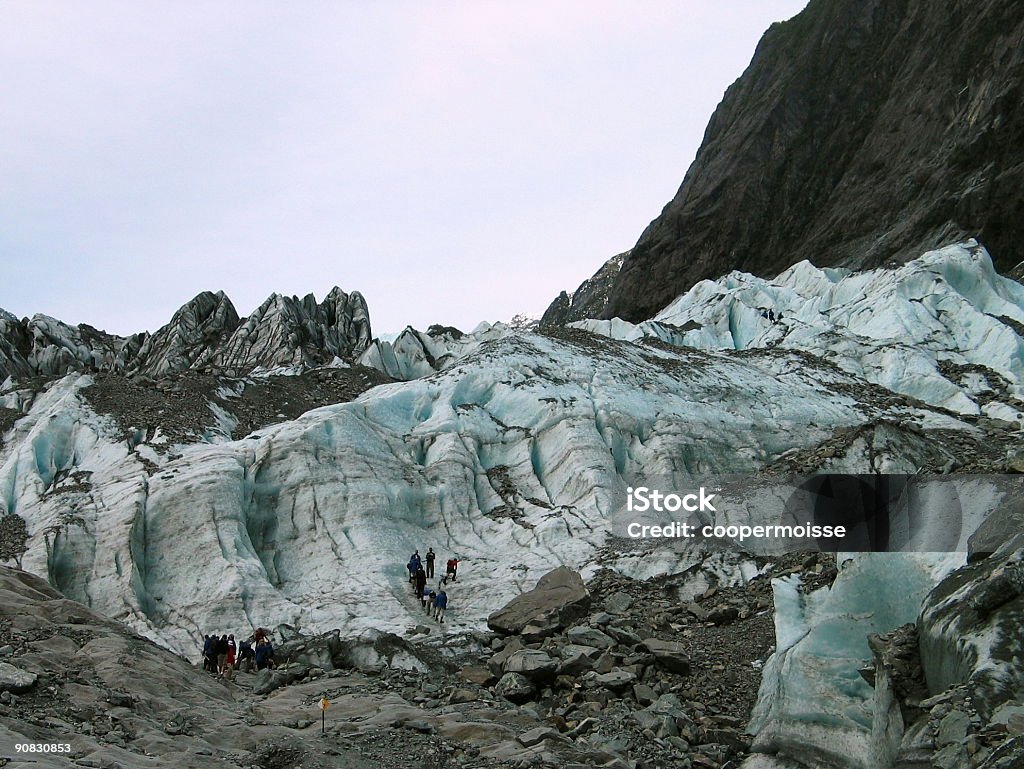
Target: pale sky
[[453, 161]]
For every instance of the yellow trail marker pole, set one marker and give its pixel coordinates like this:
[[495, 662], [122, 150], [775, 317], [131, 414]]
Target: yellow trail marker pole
[[324, 703]]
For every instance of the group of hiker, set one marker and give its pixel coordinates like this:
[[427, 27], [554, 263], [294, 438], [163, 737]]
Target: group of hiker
[[435, 602], [222, 656]]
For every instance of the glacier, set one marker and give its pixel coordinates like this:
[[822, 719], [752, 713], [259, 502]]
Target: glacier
[[510, 448], [512, 459], [944, 328]]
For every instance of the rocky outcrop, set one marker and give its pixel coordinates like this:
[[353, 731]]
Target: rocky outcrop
[[589, 299], [205, 335], [849, 140]]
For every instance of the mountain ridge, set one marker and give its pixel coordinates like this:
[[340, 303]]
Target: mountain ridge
[[205, 334]]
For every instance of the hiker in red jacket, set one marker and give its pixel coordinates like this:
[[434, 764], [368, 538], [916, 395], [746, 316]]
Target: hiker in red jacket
[[452, 568]]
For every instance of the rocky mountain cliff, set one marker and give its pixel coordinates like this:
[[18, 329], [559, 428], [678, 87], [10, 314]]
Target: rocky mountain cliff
[[205, 335], [862, 131], [587, 301]]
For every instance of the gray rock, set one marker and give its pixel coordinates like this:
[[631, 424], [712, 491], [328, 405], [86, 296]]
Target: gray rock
[[618, 603], [532, 663], [623, 635], [536, 736], [616, 680], [646, 719], [669, 654], [953, 728], [16, 680], [560, 597], [577, 659], [588, 300], [644, 694], [460, 696], [588, 636], [496, 664], [1002, 529], [515, 687]]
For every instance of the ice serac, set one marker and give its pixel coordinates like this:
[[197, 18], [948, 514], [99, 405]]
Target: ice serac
[[288, 331], [813, 706], [945, 328], [849, 141], [194, 331], [970, 624], [413, 354], [204, 335], [45, 346]]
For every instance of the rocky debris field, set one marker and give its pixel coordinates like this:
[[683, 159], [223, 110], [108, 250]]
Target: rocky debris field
[[181, 406], [275, 399], [617, 673], [628, 676]]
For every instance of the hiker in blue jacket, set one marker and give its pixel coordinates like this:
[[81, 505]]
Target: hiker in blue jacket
[[440, 604]]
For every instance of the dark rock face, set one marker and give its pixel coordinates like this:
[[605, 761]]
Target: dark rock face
[[587, 301], [862, 131], [205, 335]]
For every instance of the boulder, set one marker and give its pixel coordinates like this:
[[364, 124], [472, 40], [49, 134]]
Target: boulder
[[16, 680], [532, 663], [577, 659], [268, 680], [496, 664], [623, 635], [588, 636], [515, 687], [476, 674], [669, 654], [616, 680], [459, 696], [560, 597]]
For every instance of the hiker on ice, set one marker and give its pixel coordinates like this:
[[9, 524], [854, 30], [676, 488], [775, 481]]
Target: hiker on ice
[[430, 563], [420, 582], [428, 600], [452, 569], [414, 565], [440, 604]]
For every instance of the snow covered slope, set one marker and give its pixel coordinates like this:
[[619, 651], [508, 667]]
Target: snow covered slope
[[944, 328]]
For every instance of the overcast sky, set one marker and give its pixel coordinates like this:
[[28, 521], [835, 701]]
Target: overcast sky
[[453, 161]]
